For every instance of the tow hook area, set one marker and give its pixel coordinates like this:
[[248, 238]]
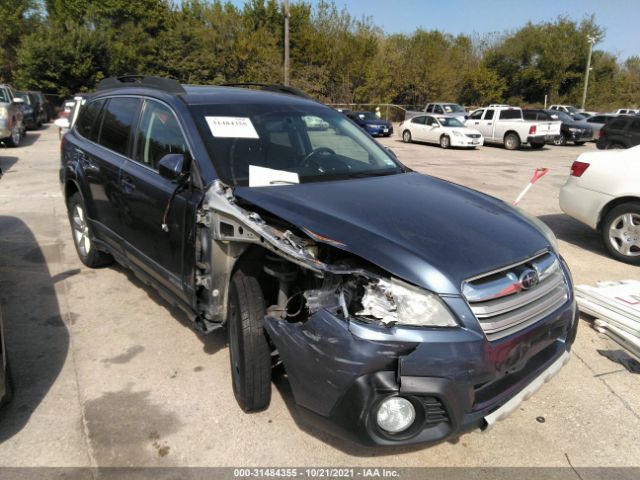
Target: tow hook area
[[509, 407]]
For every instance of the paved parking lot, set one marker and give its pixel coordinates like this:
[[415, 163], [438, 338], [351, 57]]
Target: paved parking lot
[[107, 374]]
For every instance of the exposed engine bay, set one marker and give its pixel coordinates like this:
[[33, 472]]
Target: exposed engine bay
[[300, 271]]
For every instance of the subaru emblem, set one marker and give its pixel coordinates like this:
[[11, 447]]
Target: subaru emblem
[[529, 279]]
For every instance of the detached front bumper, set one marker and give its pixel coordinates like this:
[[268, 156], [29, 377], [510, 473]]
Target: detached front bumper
[[457, 381]]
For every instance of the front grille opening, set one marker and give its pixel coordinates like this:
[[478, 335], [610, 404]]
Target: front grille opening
[[504, 303]]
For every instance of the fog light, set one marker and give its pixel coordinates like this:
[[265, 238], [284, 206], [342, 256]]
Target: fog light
[[395, 414]]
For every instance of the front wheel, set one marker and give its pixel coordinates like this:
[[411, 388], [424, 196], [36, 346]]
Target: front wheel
[[511, 141], [16, 136], [621, 232], [83, 236], [445, 141], [560, 141], [406, 136], [248, 347]]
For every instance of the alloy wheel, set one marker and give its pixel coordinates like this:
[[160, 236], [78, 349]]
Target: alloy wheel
[[624, 234], [81, 231]]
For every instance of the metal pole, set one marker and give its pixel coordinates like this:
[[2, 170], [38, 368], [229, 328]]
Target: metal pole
[[591, 40], [286, 42]]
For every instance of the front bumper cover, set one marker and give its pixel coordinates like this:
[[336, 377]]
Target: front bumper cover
[[340, 371]]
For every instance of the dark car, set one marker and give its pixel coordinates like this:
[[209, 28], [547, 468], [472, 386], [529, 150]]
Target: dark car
[[621, 132], [370, 122], [322, 253], [573, 128], [598, 121], [33, 109]]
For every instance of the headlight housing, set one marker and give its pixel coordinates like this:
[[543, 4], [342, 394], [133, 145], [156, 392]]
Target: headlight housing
[[396, 302], [456, 133], [4, 113]]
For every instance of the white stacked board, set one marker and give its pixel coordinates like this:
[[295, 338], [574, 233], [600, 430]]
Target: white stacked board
[[616, 306]]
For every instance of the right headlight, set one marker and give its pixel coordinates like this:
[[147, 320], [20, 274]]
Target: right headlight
[[396, 302]]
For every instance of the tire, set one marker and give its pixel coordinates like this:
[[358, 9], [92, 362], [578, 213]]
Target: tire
[[16, 136], [8, 385], [83, 236], [560, 141], [511, 141], [445, 141], [406, 136], [621, 232], [579, 144], [249, 351], [537, 146]]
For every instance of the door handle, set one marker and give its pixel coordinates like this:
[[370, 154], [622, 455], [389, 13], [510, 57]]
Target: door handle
[[85, 161], [127, 185]]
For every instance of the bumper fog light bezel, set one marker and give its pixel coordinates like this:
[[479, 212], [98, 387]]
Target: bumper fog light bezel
[[406, 403]]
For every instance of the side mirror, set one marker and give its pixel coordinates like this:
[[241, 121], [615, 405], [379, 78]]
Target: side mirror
[[171, 166], [18, 100], [466, 117]]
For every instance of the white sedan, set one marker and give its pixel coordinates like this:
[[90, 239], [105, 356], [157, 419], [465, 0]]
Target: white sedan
[[603, 191], [445, 131]]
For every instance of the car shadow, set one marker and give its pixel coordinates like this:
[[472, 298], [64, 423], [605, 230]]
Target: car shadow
[[212, 342], [281, 382], [6, 162], [572, 231], [30, 138], [36, 334]]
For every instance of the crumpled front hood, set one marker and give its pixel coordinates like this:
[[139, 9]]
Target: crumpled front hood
[[424, 230]]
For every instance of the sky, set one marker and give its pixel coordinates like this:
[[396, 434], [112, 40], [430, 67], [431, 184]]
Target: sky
[[619, 18]]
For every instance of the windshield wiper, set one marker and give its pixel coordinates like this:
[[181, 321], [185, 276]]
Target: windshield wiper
[[373, 174]]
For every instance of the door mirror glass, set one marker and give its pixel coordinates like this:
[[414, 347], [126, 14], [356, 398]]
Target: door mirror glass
[[171, 166]]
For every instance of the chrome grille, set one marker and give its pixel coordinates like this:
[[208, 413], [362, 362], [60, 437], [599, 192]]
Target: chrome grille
[[503, 306]]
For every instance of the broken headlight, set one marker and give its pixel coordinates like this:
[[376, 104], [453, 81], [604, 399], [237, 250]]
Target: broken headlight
[[396, 302]]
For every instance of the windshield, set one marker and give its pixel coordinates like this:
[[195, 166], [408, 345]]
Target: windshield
[[25, 97], [578, 117], [562, 116], [453, 107], [450, 122], [271, 144], [367, 116], [572, 109]]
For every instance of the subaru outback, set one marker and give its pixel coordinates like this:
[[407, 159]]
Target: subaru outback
[[404, 309]]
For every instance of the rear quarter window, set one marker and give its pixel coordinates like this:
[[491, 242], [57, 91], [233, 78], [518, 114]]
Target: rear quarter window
[[117, 120]]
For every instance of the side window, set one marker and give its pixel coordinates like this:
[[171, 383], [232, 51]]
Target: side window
[[431, 122], [530, 115], [418, 120], [489, 114], [477, 115], [595, 120], [158, 134], [117, 120], [87, 126], [430, 108], [617, 123], [438, 109]]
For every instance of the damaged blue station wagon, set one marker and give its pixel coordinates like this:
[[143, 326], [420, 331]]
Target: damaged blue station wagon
[[405, 309]]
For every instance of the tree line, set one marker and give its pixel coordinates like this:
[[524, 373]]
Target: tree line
[[68, 46]]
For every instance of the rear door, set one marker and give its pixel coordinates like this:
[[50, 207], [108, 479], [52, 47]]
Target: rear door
[[417, 128], [147, 202]]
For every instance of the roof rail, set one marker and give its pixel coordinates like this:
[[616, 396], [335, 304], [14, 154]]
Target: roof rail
[[165, 84], [270, 88]]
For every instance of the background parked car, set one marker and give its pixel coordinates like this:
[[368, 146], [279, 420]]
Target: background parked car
[[371, 123], [445, 131], [572, 130], [33, 110], [621, 132], [565, 108], [603, 191], [627, 111], [598, 121], [11, 117]]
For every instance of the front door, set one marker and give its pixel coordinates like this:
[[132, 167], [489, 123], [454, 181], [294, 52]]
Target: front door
[[486, 124], [147, 202]]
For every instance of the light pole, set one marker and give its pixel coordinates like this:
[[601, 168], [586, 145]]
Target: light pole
[[591, 41], [286, 42]]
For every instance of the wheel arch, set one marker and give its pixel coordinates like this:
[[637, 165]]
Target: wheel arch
[[509, 132], [613, 204]]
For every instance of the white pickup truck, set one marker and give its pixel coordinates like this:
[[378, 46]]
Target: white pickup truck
[[504, 124]]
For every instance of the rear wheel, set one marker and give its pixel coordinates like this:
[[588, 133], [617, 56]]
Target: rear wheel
[[249, 350], [621, 232], [511, 141], [82, 235], [406, 136], [445, 141]]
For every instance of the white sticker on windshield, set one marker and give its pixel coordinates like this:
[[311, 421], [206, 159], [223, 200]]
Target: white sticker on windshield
[[263, 177], [231, 127]]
